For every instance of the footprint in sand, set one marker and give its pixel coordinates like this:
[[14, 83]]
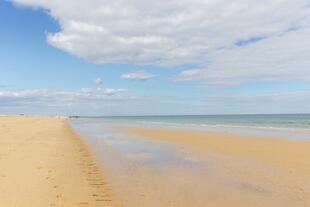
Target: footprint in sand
[[3, 156], [59, 196], [103, 200], [83, 204], [50, 178]]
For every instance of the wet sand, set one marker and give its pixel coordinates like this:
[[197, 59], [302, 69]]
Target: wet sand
[[232, 170], [43, 163], [292, 154]]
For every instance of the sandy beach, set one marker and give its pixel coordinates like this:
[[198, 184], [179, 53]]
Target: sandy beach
[[43, 163], [160, 103]]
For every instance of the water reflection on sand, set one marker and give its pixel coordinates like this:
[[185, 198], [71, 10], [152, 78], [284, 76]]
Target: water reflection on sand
[[147, 172]]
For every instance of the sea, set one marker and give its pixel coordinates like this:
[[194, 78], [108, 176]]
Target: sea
[[294, 126]]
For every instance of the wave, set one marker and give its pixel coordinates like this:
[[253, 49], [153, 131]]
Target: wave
[[299, 128]]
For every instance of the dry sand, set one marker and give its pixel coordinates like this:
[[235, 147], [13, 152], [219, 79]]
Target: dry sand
[[43, 163]]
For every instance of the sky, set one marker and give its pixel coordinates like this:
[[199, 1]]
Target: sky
[[135, 57]]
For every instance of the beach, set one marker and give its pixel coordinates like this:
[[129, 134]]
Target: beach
[[291, 154], [270, 171], [167, 165], [44, 163], [160, 103], [56, 161]]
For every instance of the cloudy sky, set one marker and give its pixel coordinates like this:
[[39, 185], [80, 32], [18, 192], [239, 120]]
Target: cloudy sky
[[135, 57]]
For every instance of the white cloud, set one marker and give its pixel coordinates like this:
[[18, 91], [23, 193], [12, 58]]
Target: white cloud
[[98, 81], [140, 75], [21, 97], [116, 102], [231, 41], [111, 91], [101, 101], [276, 58]]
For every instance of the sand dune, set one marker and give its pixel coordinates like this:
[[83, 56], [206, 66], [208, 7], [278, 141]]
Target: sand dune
[[43, 163]]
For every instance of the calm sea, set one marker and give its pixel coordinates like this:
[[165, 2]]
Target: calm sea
[[288, 125], [296, 121]]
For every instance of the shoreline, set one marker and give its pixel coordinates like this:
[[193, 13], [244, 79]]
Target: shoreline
[[43, 162], [184, 169], [292, 126]]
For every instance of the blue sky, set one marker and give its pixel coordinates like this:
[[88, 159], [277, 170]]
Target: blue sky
[[50, 57], [30, 62]]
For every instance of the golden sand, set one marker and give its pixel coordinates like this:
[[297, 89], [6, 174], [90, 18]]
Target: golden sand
[[269, 172], [292, 154], [43, 163]]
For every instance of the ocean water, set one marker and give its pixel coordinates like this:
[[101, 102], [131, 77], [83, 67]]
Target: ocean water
[[295, 126]]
